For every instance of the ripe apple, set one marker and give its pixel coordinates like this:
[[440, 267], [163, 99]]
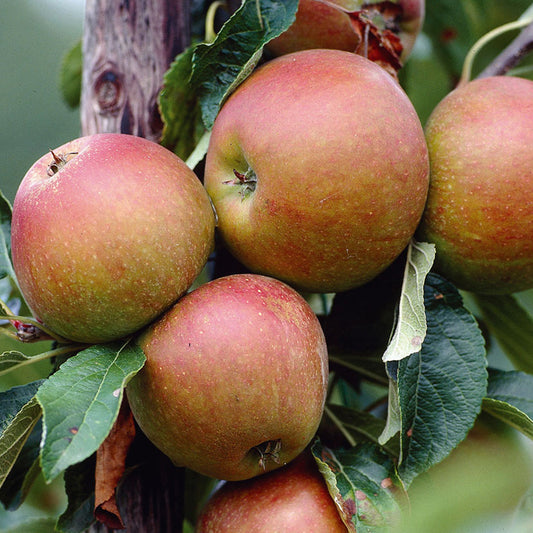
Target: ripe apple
[[479, 212], [235, 378], [108, 231], [293, 499], [318, 169], [333, 24]]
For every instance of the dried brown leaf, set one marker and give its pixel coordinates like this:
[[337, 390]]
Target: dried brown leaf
[[110, 466]]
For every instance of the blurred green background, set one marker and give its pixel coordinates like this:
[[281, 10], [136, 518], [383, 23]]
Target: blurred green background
[[34, 36]]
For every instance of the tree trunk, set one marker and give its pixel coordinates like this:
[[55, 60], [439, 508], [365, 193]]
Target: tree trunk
[[127, 47]]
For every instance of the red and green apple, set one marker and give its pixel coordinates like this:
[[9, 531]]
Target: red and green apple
[[318, 169], [479, 212], [108, 231], [292, 499], [235, 378]]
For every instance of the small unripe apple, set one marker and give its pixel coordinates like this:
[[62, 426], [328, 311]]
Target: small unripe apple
[[235, 378], [479, 212], [318, 168], [108, 231], [293, 499], [330, 24]]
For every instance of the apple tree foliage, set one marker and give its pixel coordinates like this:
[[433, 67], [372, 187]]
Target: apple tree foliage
[[410, 354]]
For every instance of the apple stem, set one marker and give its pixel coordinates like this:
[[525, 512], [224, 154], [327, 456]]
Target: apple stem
[[210, 33], [509, 57]]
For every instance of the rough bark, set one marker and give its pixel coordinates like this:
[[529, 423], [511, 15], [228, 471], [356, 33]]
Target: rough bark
[[127, 47]]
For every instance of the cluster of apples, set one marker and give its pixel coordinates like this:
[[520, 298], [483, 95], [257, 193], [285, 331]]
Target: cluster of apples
[[316, 178]]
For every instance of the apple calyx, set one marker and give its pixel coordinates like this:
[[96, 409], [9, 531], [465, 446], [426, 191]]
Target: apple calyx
[[58, 162], [247, 182], [268, 450], [29, 332]]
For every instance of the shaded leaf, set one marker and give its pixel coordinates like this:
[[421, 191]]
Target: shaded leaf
[[81, 402], [24, 472], [179, 107], [19, 413], [13, 400], [510, 398], [70, 76], [410, 329], [363, 483], [219, 67], [441, 388], [511, 325], [79, 487]]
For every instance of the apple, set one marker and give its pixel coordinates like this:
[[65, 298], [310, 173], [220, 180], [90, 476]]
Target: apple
[[108, 231], [318, 168], [235, 378], [292, 499], [334, 24], [479, 212]]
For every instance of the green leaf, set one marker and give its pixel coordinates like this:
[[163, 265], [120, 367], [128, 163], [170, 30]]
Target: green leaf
[[510, 398], [410, 329], [511, 325], [219, 67], [79, 486], [19, 413], [6, 268], [81, 401], [393, 425], [179, 107], [363, 483], [441, 388], [70, 76]]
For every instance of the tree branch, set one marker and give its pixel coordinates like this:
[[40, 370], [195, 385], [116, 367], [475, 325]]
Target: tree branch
[[127, 48], [511, 55]]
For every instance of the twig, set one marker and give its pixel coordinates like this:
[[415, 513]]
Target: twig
[[511, 55]]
